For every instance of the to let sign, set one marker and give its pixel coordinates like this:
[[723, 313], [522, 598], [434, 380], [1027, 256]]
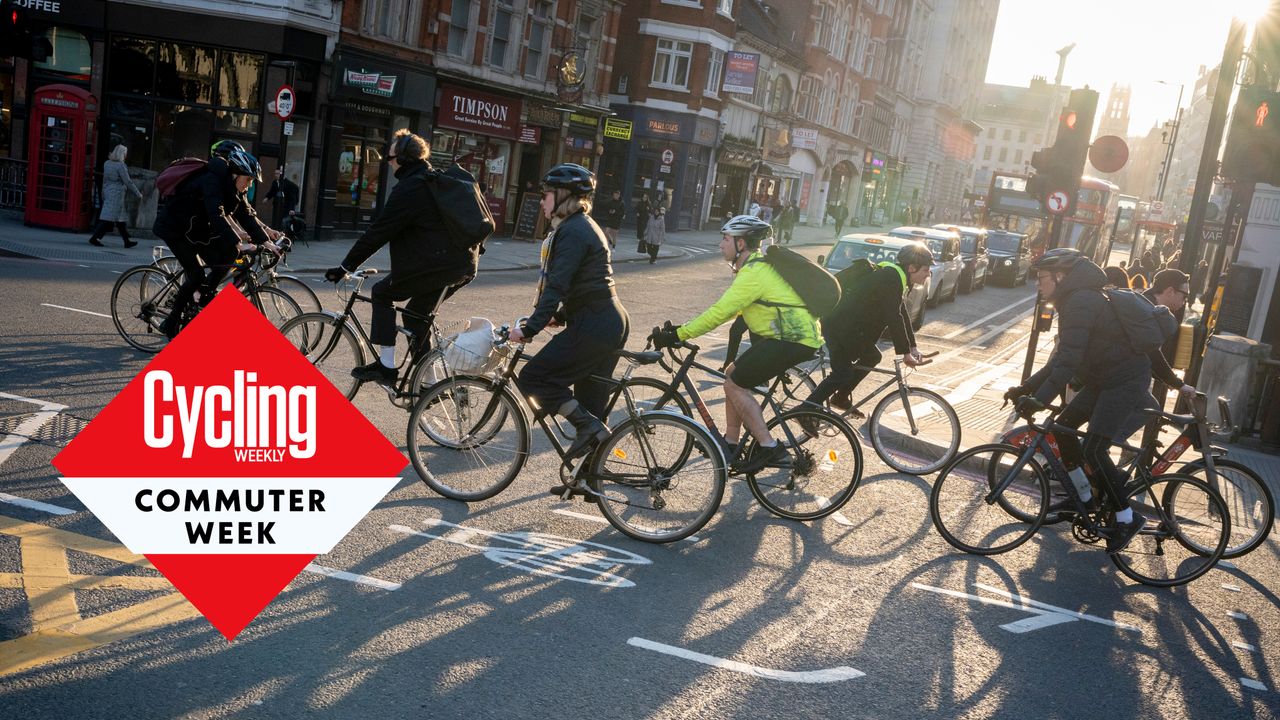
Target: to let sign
[[479, 112]]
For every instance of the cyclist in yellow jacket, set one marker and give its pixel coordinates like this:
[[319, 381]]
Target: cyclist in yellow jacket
[[783, 333]]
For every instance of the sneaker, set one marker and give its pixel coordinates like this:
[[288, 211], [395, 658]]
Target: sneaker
[[809, 424], [1123, 533], [375, 372], [763, 457], [841, 401], [130, 243], [1065, 509], [95, 242]]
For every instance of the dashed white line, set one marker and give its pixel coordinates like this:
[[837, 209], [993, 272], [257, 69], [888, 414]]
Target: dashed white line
[[1244, 646], [827, 675], [1237, 615], [1230, 588], [86, 312], [351, 577], [985, 318], [35, 505], [1252, 684]]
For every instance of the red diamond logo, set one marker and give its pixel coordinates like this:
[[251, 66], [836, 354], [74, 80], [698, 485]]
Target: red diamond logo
[[230, 463]]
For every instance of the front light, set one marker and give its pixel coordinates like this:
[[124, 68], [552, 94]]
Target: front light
[[1007, 263]]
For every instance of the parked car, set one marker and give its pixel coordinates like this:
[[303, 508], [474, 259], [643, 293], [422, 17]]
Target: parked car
[[1010, 257], [944, 276], [973, 248], [877, 249]]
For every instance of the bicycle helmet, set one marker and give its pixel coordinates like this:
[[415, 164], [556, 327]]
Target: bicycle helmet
[[915, 253], [223, 148], [569, 176], [1058, 260], [750, 228], [242, 163]]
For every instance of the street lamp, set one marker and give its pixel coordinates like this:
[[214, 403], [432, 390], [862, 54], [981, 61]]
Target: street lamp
[[1173, 141]]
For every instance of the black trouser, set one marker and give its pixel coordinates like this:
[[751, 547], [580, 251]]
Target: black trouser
[[104, 226], [653, 251], [1108, 412], [422, 301], [844, 376], [587, 346], [196, 276]]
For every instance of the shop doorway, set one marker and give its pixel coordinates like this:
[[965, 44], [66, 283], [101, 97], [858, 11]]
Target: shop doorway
[[357, 183]]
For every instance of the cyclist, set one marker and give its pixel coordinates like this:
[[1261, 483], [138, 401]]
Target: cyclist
[[426, 267], [1092, 347], [786, 334], [209, 219], [867, 307], [576, 290]]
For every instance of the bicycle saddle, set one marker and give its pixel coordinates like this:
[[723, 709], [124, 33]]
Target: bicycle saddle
[[1180, 420], [641, 358]]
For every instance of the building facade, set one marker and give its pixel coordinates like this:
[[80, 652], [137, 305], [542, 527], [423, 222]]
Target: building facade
[[1013, 121]]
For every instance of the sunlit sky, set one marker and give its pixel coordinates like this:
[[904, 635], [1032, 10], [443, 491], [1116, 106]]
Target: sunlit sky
[[1133, 42]]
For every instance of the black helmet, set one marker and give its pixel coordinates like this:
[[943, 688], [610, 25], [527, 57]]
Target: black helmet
[[568, 176], [914, 253], [1058, 260], [242, 163], [223, 148]]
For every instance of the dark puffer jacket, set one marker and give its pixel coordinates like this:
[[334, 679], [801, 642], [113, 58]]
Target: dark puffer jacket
[[1092, 346], [867, 307], [578, 272]]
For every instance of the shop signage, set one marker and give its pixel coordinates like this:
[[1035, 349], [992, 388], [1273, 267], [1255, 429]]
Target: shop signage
[[370, 83], [542, 115], [530, 135], [569, 77], [288, 128], [617, 129], [804, 138], [663, 127], [90, 13], [479, 112], [740, 70], [777, 144], [583, 120]]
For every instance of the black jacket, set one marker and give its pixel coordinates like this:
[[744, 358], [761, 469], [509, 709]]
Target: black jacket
[[1092, 346], [578, 271], [285, 192], [422, 257], [206, 209], [1162, 360], [866, 308], [608, 213]]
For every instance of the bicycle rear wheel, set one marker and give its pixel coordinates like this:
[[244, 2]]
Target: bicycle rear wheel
[[648, 395], [140, 301], [468, 438], [1249, 502], [826, 466], [659, 477], [1186, 532], [276, 305], [329, 344], [969, 521], [301, 293], [917, 435], [797, 385]]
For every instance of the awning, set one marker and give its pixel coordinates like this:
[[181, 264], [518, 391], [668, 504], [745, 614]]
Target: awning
[[777, 170]]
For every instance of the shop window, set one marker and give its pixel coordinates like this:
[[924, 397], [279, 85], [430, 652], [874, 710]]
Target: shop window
[[240, 80], [671, 64], [713, 72], [460, 27], [539, 35], [180, 131], [133, 66], [185, 72], [725, 7], [237, 123], [135, 136], [71, 56], [500, 32]]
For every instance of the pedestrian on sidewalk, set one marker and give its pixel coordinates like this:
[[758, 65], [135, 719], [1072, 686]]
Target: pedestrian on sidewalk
[[840, 213], [115, 178], [283, 194], [1116, 276], [787, 222], [609, 213], [655, 232], [642, 221]]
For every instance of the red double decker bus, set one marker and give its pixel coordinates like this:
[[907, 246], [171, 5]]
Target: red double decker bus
[[1088, 225]]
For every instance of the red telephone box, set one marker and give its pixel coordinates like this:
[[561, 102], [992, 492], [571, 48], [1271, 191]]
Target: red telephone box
[[60, 157]]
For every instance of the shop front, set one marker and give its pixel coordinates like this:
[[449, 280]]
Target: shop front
[[733, 175], [370, 98], [481, 132], [667, 160], [805, 163]]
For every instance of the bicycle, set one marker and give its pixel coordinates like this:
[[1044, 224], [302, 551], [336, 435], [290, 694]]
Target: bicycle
[[1249, 500], [992, 498], [266, 273], [796, 493], [659, 477], [142, 299]]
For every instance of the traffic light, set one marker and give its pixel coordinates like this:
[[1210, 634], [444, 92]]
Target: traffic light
[[16, 37], [1059, 168], [1253, 140]]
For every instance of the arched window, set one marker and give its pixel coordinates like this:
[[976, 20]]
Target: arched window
[[781, 101]]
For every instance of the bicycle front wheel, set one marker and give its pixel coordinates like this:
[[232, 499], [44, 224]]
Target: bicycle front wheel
[[468, 438], [276, 305], [969, 516], [1187, 530], [917, 434], [330, 345], [826, 466], [1249, 502], [140, 301], [796, 386], [659, 477], [301, 293]]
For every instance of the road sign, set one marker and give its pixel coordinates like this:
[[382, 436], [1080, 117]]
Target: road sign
[[1108, 153], [284, 102], [1057, 202], [668, 156]]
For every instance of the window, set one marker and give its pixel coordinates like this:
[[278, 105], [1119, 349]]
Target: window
[[459, 27], [1008, 134], [185, 73], [1004, 154], [671, 64], [780, 102], [859, 111], [860, 43], [725, 7], [986, 153], [1039, 139], [393, 19], [1022, 136], [1017, 157], [807, 104], [716, 66], [869, 63], [587, 35], [240, 80], [500, 32], [991, 133], [539, 35]]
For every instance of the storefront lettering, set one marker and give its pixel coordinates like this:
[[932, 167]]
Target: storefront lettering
[[481, 109], [44, 5], [371, 83], [59, 102], [664, 127]]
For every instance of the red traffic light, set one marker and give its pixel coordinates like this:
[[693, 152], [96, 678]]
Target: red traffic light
[[1260, 116], [1069, 119]]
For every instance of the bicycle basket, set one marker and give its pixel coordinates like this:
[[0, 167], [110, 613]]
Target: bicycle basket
[[471, 351]]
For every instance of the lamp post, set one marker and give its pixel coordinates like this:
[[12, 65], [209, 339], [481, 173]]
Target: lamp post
[[1173, 141]]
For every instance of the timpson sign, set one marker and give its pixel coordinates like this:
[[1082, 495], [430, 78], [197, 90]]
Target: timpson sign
[[479, 112]]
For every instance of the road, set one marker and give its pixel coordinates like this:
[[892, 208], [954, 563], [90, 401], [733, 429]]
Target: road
[[440, 612]]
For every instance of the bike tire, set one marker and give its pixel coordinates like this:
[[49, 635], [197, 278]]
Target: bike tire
[[815, 485], [1249, 501], [1145, 555], [301, 293], [906, 449], [276, 305], [138, 306], [797, 386], [969, 478], [637, 498], [452, 426], [328, 343]]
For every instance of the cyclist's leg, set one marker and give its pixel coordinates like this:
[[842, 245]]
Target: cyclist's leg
[[382, 324], [762, 362], [594, 395], [192, 279], [427, 304]]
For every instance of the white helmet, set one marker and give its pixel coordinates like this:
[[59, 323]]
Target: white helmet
[[749, 228]]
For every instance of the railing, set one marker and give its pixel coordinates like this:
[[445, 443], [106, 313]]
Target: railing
[[13, 183]]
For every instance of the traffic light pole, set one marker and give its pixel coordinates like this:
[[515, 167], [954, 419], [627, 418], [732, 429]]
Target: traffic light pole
[[1055, 236]]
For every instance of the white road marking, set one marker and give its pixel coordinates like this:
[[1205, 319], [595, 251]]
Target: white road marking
[[83, 266], [1237, 615], [351, 577], [35, 505], [603, 521], [1046, 615], [993, 332], [827, 675], [837, 515], [1252, 684], [1244, 646], [1230, 588], [118, 272], [9, 444], [86, 312], [985, 318]]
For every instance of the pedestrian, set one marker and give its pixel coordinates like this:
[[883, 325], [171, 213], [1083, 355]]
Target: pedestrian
[[426, 267], [1198, 276], [754, 210], [787, 222], [656, 231], [766, 210], [284, 195], [115, 178], [642, 221], [1116, 276], [1138, 282], [841, 214], [608, 213]]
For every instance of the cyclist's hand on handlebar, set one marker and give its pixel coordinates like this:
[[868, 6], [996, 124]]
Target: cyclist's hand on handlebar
[[516, 334], [1027, 406], [335, 274], [664, 337], [1012, 394], [913, 358], [1188, 391]]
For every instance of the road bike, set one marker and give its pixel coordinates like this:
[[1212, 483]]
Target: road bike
[[992, 498], [266, 273]]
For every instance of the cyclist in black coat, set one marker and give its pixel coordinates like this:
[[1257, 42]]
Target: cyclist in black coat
[[426, 267], [576, 290]]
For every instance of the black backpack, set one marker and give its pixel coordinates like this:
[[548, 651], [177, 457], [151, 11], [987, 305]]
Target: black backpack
[[850, 276], [1146, 325], [462, 207], [817, 288]]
